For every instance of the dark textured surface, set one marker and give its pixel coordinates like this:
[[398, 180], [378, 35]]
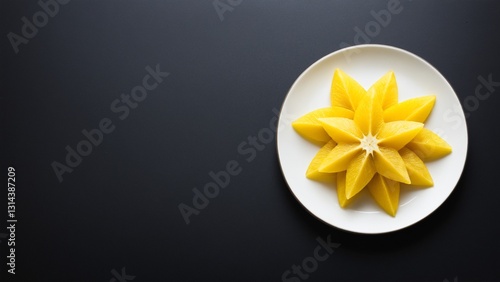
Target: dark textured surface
[[119, 207]]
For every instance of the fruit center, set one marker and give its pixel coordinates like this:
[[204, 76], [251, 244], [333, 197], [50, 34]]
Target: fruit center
[[369, 144]]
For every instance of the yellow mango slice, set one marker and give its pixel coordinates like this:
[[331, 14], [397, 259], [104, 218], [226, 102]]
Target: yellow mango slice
[[342, 130], [345, 91], [369, 115], [342, 112], [416, 109], [359, 172], [309, 127], [386, 90], [386, 193], [381, 143], [419, 175], [429, 146], [339, 158], [389, 163], [312, 171], [343, 201], [397, 134]]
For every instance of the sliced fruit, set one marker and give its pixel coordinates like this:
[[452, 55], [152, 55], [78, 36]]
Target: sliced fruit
[[309, 126], [343, 201], [339, 158], [386, 90], [342, 112], [385, 192], [389, 163], [416, 109], [381, 143], [312, 171], [419, 175], [345, 91], [359, 172], [342, 130], [369, 115], [429, 146], [397, 134]]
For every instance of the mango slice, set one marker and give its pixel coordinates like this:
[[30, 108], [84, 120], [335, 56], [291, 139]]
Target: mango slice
[[345, 92], [342, 130], [419, 175], [359, 172], [386, 90], [339, 158], [385, 192], [429, 146], [342, 112], [416, 109], [312, 171], [309, 126], [389, 163], [397, 134], [369, 115], [372, 141], [343, 201]]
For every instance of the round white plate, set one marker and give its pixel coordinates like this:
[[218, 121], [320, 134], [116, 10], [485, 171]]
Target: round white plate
[[415, 77]]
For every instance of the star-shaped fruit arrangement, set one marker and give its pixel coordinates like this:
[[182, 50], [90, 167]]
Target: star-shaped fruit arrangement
[[370, 140]]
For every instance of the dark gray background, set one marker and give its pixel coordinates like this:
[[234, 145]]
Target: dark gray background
[[119, 207]]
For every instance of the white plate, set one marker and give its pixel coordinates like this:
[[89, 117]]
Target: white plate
[[415, 77]]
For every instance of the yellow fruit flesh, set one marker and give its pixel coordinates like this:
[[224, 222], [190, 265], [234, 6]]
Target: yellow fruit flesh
[[342, 112], [312, 171], [429, 146], [309, 127], [369, 115], [389, 164], [397, 134], [345, 92], [385, 192], [380, 143], [343, 201], [416, 109], [340, 157], [419, 175], [342, 130], [359, 172], [386, 90]]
